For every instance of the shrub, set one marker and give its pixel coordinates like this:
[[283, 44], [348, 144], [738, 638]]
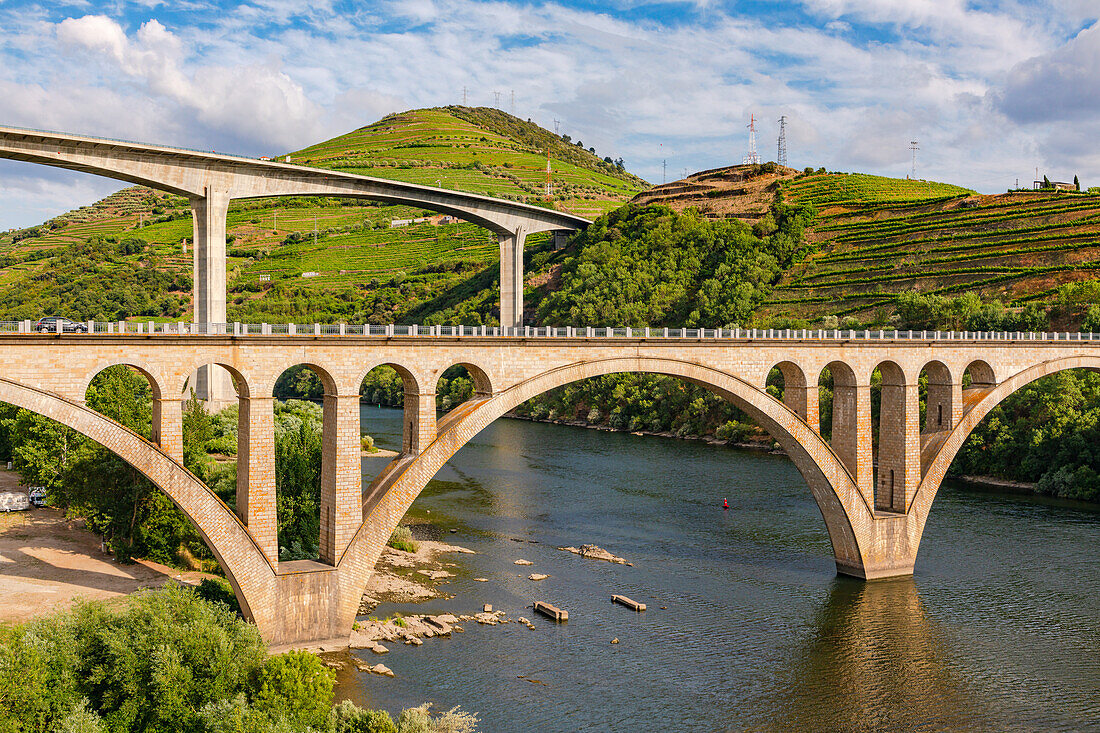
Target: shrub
[[401, 539], [295, 685], [347, 717], [366, 443], [420, 720], [218, 590]]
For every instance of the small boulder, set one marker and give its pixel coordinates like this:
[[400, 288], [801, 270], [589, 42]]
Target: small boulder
[[524, 562], [382, 670], [488, 608], [537, 576]]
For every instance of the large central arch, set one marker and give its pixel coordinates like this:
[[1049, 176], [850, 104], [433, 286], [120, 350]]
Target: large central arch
[[224, 533], [843, 507]]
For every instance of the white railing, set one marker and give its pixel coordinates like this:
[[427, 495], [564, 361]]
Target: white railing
[[148, 328]]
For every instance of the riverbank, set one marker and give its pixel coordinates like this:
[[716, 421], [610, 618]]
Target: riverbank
[[48, 563]]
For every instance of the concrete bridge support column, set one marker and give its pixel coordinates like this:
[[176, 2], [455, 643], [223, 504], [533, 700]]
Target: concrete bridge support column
[[420, 427], [852, 430], [212, 383], [256, 505], [168, 427], [511, 278], [899, 471], [341, 476]]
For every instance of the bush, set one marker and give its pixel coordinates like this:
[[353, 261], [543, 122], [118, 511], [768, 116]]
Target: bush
[[401, 539], [218, 590], [347, 717], [420, 720], [295, 685]]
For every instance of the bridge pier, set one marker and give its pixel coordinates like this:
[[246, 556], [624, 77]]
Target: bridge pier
[[341, 476], [420, 422], [167, 427], [899, 471], [256, 500], [511, 278]]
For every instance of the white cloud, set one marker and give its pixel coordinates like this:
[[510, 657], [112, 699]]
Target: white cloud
[[275, 75]]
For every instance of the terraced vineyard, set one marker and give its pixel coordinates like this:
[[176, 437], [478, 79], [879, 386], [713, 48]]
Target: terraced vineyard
[[878, 237]]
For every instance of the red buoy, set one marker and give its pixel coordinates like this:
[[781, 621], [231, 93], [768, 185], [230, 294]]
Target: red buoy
[[725, 504]]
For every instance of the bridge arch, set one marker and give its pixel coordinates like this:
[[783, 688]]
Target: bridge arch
[[842, 506], [223, 532], [987, 399]]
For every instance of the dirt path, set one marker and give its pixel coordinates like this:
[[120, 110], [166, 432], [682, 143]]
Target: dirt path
[[47, 562]]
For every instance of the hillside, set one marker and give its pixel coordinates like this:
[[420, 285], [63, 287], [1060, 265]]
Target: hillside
[[744, 192], [877, 238], [482, 150], [341, 259]]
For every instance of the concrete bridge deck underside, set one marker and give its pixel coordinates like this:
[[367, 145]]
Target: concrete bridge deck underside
[[874, 496]]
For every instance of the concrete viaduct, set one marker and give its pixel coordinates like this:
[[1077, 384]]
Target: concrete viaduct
[[211, 180], [875, 501]]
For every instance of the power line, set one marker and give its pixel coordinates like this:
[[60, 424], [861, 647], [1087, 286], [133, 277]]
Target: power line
[[782, 152]]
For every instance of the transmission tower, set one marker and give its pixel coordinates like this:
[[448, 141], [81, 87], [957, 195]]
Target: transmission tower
[[753, 157], [664, 170], [548, 173], [782, 152], [513, 102], [464, 95], [496, 97], [557, 125], [913, 145]]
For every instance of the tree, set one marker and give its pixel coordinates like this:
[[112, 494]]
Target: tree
[[1046, 182], [1076, 182]]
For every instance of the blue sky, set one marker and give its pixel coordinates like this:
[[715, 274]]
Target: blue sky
[[992, 90]]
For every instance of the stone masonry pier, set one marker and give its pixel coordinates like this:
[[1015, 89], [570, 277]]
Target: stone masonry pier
[[874, 496]]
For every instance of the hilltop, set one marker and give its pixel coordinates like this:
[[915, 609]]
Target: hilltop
[[337, 258], [481, 150]]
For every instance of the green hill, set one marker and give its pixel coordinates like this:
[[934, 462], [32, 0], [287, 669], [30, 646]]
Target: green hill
[[331, 258]]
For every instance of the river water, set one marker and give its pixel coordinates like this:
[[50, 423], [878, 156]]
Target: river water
[[748, 625]]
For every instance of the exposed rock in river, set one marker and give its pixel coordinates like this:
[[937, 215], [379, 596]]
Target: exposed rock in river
[[596, 553]]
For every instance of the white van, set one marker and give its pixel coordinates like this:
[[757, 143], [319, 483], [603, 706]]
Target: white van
[[14, 501]]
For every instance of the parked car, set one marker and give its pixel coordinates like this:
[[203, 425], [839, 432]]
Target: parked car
[[49, 325], [38, 495], [14, 501]]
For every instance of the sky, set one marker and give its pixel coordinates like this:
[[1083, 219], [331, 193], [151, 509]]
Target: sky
[[991, 90]]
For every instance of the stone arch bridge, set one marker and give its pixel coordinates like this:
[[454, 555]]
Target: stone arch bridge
[[874, 506]]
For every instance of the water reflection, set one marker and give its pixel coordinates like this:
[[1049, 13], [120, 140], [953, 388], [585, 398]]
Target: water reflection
[[875, 661]]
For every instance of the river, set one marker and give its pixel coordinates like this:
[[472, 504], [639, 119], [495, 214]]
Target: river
[[748, 625]]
